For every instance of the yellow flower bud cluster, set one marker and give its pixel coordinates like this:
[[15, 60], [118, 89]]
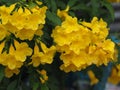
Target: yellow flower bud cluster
[[43, 76], [115, 75], [84, 44], [22, 22]]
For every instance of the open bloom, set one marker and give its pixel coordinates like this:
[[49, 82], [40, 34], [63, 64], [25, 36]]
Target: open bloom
[[44, 56]]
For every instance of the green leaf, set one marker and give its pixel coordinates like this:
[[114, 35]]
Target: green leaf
[[53, 18], [53, 83], [12, 85], [35, 86], [8, 2], [71, 13], [81, 7], [31, 4], [53, 6], [44, 87], [72, 2], [95, 7], [47, 2], [1, 73], [25, 86], [61, 4], [109, 6]]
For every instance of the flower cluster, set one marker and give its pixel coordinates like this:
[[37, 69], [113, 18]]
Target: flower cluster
[[17, 26], [15, 58], [22, 22], [82, 44]]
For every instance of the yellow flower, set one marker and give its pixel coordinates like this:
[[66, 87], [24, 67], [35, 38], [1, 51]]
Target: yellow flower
[[63, 13], [2, 58], [114, 77], [25, 34], [108, 45], [2, 46], [5, 13], [36, 18], [39, 31], [10, 61], [3, 32], [9, 73], [44, 56], [92, 77], [21, 52], [10, 28], [36, 57], [16, 56], [21, 18], [98, 28]]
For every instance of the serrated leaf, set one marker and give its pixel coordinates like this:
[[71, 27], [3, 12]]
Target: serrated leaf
[[12, 85], [53, 18], [72, 2]]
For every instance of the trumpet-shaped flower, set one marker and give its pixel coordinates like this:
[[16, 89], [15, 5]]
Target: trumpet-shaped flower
[[9, 73], [44, 56], [92, 77]]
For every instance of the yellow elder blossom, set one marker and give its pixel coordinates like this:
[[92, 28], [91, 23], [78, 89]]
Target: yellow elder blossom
[[84, 44], [92, 77], [5, 13], [9, 73], [22, 50], [63, 13], [44, 56], [115, 75], [98, 28], [3, 32], [2, 46]]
